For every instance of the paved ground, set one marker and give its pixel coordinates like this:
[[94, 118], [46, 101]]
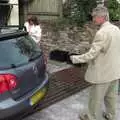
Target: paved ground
[[67, 109]]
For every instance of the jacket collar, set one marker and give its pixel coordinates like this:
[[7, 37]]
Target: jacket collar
[[105, 24]]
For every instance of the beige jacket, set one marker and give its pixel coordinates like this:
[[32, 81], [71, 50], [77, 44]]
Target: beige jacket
[[104, 56]]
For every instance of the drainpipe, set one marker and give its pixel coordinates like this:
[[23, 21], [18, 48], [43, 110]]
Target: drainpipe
[[60, 2], [14, 16]]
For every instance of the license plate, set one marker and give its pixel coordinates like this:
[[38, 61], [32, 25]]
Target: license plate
[[37, 96]]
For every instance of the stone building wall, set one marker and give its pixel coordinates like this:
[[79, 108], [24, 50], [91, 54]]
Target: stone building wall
[[73, 39]]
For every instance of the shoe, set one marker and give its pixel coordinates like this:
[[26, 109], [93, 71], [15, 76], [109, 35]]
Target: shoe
[[84, 117], [106, 116]]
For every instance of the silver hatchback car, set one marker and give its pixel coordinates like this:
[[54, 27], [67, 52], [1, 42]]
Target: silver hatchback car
[[23, 76]]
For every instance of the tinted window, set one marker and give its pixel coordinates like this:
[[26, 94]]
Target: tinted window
[[18, 51]]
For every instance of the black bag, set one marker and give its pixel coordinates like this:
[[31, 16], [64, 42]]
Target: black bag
[[63, 56], [60, 55]]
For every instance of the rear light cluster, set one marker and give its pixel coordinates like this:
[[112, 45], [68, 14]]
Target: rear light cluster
[[7, 82]]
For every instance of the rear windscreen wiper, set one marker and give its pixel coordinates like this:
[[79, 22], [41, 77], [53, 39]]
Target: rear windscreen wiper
[[35, 56]]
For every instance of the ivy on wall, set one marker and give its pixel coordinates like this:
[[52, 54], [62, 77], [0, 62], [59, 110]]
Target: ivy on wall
[[114, 9], [78, 11]]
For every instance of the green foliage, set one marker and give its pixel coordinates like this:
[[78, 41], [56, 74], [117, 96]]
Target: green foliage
[[79, 11], [114, 10]]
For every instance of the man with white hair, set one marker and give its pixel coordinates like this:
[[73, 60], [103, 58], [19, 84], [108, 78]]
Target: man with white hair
[[103, 71]]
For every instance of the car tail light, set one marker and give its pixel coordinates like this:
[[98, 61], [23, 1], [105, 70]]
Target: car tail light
[[7, 82]]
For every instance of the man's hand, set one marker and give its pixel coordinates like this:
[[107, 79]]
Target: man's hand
[[76, 59], [73, 58]]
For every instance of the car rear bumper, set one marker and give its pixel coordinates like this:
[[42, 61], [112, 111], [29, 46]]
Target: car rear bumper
[[11, 107]]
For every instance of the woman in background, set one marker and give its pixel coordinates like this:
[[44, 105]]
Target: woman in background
[[33, 28]]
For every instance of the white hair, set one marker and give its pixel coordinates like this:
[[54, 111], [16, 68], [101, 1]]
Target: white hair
[[101, 11]]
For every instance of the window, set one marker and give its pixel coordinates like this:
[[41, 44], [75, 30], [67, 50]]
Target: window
[[18, 51]]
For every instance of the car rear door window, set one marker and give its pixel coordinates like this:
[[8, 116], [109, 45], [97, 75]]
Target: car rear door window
[[17, 51]]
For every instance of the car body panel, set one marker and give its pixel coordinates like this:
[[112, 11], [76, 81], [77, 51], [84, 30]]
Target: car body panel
[[21, 57], [11, 107]]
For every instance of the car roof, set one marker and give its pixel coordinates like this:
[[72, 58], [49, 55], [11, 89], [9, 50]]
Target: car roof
[[11, 32]]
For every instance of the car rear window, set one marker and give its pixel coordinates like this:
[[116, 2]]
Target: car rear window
[[18, 51]]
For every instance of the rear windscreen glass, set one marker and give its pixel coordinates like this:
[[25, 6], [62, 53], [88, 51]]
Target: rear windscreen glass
[[18, 51]]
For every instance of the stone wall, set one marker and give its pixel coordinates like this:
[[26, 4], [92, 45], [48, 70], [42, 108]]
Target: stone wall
[[72, 39]]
